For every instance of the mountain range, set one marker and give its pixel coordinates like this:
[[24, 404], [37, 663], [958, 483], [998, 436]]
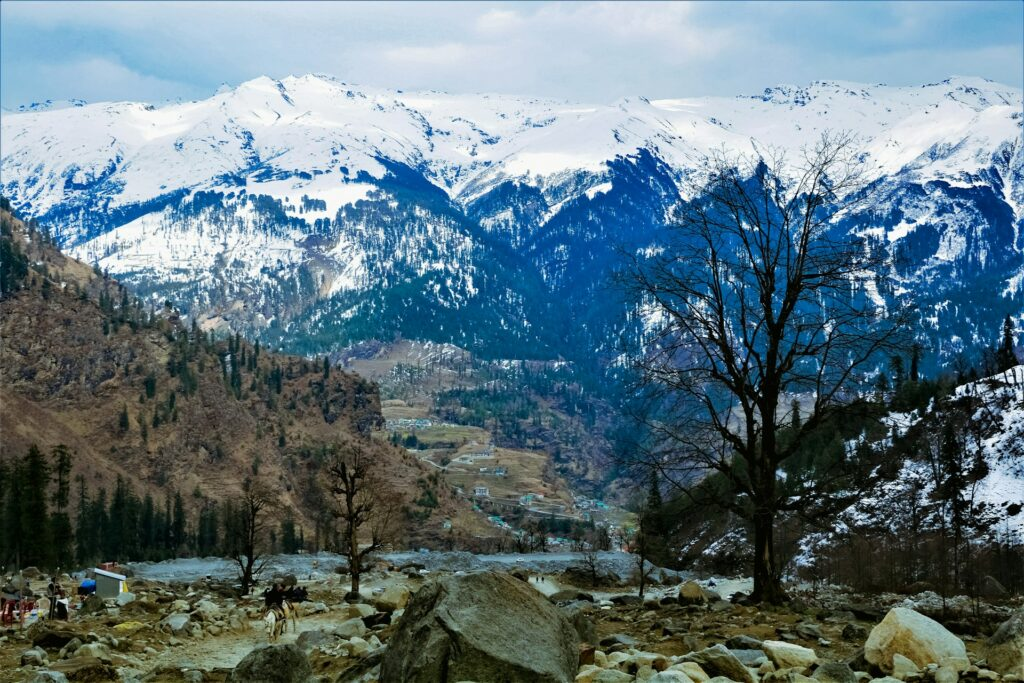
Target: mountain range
[[312, 214]]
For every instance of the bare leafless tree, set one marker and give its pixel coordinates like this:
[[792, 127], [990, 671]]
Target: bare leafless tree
[[366, 504], [245, 530], [758, 299]]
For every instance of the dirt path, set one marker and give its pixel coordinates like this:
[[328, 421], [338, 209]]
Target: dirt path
[[225, 651]]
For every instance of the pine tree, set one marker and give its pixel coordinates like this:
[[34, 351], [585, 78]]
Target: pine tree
[[1007, 357], [915, 360], [124, 422], [83, 552], [35, 519], [63, 538], [178, 530], [327, 367]]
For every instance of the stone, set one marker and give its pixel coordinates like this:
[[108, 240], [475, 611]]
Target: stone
[[357, 646], [623, 600], [46, 676], [48, 638], [1004, 651], [834, 672], [991, 589], [854, 633], [947, 674], [902, 668], [587, 654], [395, 596], [570, 596], [718, 661], [125, 598], [91, 605], [915, 636], [789, 655], [35, 656], [691, 593], [480, 627], [97, 650], [580, 620], [272, 664], [209, 610], [809, 631], [349, 628], [317, 608], [85, 669], [750, 658], [618, 639], [743, 643], [668, 676], [693, 671], [178, 624], [359, 610], [612, 676]]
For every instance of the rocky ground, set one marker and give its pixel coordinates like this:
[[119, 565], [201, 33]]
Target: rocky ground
[[518, 625]]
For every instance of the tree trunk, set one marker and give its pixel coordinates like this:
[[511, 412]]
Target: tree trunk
[[353, 558], [767, 584]]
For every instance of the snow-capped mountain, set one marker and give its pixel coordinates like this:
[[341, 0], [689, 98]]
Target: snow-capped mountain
[[314, 212]]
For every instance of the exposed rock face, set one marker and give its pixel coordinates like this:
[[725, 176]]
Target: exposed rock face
[[273, 664], [920, 639], [1005, 649], [480, 627], [718, 661]]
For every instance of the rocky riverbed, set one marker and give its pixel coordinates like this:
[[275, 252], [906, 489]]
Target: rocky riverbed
[[422, 618]]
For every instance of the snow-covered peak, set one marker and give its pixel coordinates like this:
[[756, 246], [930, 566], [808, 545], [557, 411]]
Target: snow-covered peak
[[315, 125]]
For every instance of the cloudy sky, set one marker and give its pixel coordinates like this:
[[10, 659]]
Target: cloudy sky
[[594, 52]]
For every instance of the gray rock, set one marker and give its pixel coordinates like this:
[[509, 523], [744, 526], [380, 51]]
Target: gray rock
[[618, 639], [349, 628], [718, 661], [272, 664], [570, 596], [47, 676], [834, 672], [481, 627], [854, 633], [125, 598], [1005, 649], [752, 658], [577, 615], [92, 605], [809, 631], [177, 624], [35, 656], [991, 589], [743, 643], [308, 640]]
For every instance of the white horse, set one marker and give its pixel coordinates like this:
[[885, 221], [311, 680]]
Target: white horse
[[276, 620]]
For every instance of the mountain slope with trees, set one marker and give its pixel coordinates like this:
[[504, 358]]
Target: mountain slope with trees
[[138, 432]]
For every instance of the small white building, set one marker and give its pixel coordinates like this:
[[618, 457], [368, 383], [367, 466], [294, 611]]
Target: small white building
[[109, 584], [481, 492]]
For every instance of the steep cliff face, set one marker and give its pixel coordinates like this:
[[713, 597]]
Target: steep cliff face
[[312, 214]]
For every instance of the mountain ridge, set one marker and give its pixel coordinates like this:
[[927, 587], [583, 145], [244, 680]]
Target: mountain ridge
[[314, 214]]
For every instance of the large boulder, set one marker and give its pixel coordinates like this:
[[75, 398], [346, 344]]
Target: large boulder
[[272, 664], [718, 661], [1005, 649], [918, 638], [481, 627]]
